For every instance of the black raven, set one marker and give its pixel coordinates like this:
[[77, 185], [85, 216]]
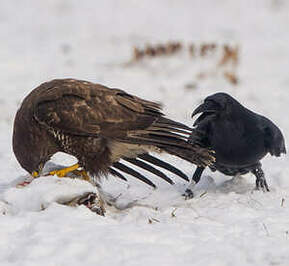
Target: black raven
[[239, 137]]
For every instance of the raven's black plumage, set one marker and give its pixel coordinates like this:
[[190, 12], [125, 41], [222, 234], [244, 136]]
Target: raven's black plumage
[[239, 137], [99, 126]]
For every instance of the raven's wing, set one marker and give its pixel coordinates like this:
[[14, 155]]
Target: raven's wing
[[201, 130], [274, 140]]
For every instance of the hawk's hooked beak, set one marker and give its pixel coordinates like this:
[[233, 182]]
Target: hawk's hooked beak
[[36, 174], [206, 107]]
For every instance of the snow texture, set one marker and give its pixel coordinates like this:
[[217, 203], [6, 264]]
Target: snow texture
[[227, 223]]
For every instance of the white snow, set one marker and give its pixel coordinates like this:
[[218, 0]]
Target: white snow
[[227, 223]]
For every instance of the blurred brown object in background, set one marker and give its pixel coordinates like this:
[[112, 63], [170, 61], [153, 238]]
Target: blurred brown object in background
[[156, 50], [173, 47], [231, 77], [150, 51], [160, 49], [192, 49], [230, 54], [205, 48], [137, 53]]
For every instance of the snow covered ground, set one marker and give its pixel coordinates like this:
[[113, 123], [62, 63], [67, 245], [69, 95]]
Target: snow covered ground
[[227, 223]]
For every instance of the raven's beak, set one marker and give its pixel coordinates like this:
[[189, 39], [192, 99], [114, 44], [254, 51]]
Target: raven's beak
[[206, 107]]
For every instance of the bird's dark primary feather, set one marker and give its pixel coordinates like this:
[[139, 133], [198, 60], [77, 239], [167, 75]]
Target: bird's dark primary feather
[[99, 126], [149, 168]]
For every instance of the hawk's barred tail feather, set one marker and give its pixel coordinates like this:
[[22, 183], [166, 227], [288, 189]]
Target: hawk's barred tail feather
[[133, 173], [149, 168], [157, 162]]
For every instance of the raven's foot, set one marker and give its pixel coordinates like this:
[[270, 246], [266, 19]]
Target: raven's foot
[[189, 194], [91, 200], [261, 183], [196, 178]]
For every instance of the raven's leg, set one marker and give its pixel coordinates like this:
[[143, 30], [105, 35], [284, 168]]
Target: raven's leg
[[260, 179], [196, 178]]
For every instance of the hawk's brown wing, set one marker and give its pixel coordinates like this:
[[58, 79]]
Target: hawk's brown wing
[[128, 122], [83, 108]]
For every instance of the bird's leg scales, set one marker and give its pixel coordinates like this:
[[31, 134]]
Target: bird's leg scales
[[189, 194], [60, 173], [261, 182], [72, 169], [91, 200], [64, 171]]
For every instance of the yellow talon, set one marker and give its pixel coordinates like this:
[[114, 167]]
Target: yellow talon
[[64, 171]]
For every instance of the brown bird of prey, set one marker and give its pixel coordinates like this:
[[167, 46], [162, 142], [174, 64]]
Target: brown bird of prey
[[99, 126]]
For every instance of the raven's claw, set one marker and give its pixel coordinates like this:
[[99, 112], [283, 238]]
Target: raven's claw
[[262, 184], [189, 194]]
